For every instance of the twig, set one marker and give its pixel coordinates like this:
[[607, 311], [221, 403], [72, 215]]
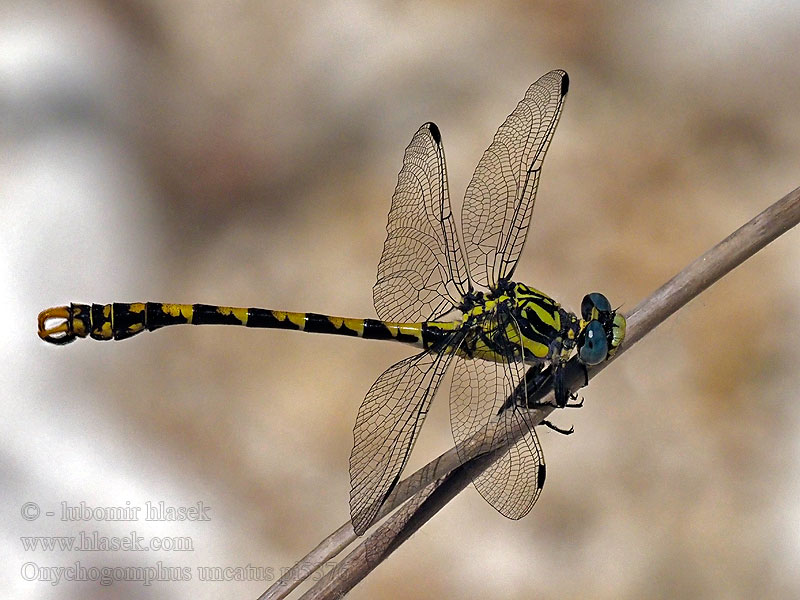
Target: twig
[[443, 479]]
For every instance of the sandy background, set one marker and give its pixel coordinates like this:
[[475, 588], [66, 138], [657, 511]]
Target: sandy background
[[245, 153]]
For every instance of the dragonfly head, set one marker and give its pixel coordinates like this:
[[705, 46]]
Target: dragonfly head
[[602, 330]]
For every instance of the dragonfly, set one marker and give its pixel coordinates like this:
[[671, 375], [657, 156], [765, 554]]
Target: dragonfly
[[457, 303]]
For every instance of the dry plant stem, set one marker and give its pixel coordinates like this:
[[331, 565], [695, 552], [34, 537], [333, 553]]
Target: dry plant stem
[[386, 538], [445, 478], [397, 529], [344, 535]]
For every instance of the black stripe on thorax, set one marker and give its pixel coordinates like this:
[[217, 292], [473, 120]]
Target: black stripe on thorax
[[532, 325], [530, 331]]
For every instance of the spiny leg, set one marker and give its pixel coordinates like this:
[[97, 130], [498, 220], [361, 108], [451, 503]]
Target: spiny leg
[[538, 379], [574, 396], [535, 380], [578, 404], [562, 395], [557, 429]]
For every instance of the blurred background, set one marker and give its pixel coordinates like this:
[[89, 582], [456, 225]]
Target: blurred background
[[245, 153]]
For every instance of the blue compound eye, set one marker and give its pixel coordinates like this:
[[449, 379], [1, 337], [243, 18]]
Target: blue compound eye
[[593, 345], [594, 302]]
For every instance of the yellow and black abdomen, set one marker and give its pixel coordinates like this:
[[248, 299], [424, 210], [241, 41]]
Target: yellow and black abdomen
[[119, 321]]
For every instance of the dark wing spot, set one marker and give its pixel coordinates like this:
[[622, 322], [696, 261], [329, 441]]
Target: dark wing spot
[[435, 134]]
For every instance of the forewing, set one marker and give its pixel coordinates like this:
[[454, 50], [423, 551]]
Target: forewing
[[386, 428], [479, 391], [422, 270], [499, 199]]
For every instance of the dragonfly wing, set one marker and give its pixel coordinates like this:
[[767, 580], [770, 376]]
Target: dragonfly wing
[[479, 411], [499, 199], [386, 428], [422, 270]]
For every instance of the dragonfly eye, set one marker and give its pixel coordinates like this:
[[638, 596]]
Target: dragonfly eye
[[594, 305], [592, 344]]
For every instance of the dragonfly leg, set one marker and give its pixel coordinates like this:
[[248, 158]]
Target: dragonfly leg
[[564, 396], [574, 404], [572, 397], [561, 392], [535, 380], [557, 429]]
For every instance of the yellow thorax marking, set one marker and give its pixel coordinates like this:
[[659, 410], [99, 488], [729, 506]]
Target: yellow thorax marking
[[548, 317], [487, 307], [522, 297]]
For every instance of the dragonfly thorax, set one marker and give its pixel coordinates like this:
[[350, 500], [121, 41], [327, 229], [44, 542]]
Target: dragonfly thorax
[[518, 322], [515, 320]]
